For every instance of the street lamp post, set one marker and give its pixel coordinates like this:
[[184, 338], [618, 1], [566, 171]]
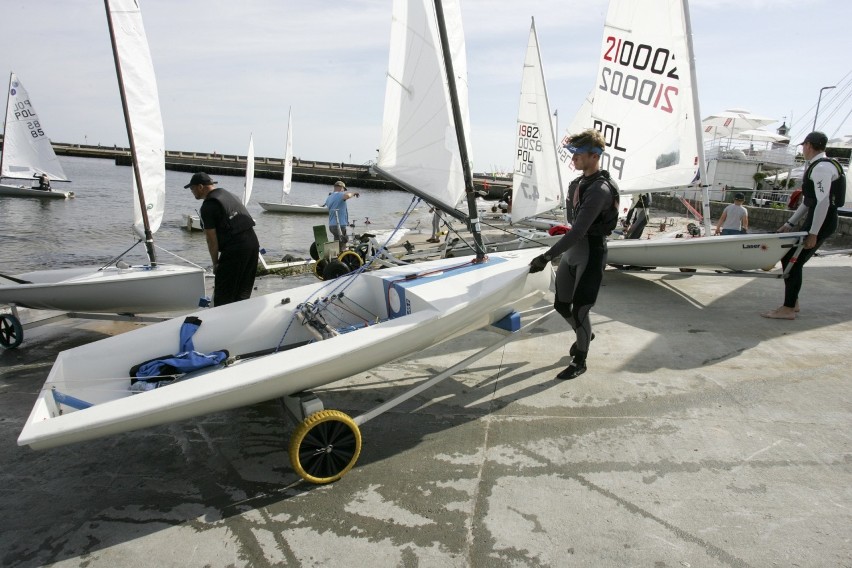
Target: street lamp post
[[816, 114]]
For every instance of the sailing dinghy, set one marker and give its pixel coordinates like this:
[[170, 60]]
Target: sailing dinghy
[[645, 103], [536, 180], [27, 151], [298, 339], [119, 288], [193, 222], [287, 182]]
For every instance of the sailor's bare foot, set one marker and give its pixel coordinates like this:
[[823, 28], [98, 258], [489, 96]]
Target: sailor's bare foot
[[796, 309], [781, 313]]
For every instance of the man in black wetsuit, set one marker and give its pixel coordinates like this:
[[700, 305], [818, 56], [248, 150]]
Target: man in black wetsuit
[[231, 240], [593, 203], [823, 191]]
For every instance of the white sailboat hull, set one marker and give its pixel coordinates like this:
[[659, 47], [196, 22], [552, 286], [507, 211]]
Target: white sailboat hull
[[133, 290], [192, 223], [541, 223], [293, 208], [732, 252], [413, 313], [24, 191]]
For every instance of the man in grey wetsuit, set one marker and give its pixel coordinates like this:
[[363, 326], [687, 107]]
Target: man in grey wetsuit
[[593, 203]]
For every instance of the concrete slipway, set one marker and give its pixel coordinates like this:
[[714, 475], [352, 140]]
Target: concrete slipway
[[702, 435]]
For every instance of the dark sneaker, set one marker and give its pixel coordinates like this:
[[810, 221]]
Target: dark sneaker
[[572, 371]]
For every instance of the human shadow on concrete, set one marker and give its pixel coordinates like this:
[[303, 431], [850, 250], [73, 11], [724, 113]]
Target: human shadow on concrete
[[694, 328]]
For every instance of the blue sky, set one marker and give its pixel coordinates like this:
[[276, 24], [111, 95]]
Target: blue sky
[[227, 69]]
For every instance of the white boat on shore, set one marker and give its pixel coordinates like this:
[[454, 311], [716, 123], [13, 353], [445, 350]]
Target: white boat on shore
[[27, 151], [118, 287], [284, 343], [759, 251], [287, 183], [537, 179], [383, 315], [655, 139], [113, 289]]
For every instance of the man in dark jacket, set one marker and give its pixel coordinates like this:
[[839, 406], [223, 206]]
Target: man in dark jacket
[[823, 191], [593, 201], [231, 240]]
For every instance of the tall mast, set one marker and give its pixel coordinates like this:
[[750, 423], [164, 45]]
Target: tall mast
[[149, 236], [696, 111], [473, 215], [552, 140], [5, 126]]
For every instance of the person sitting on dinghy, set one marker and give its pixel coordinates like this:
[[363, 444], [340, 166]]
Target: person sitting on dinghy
[[231, 240], [43, 183], [593, 203]]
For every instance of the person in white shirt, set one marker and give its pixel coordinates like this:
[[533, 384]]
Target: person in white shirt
[[823, 183], [734, 219]]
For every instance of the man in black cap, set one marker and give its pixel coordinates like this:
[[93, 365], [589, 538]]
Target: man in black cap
[[231, 240], [734, 219], [823, 191]]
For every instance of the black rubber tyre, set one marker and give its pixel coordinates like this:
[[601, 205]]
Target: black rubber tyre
[[351, 259], [334, 269], [325, 446], [314, 251], [319, 268], [11, 331]]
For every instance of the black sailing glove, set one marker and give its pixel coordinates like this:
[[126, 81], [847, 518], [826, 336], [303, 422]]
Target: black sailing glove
[[539, 263]]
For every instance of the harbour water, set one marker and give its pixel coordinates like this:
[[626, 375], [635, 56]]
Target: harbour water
[[96, 225]]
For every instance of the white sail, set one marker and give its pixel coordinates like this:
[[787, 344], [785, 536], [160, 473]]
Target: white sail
[[419, 143], [249, 184], [27, 152], [145, 124], [287, 182], [536, 180], [581, 121], [643, 96]]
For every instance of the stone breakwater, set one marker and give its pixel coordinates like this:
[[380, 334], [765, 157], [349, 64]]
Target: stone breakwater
[[305, 171]]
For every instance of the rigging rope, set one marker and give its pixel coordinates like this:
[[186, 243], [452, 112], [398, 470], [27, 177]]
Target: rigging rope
[[119, 257]]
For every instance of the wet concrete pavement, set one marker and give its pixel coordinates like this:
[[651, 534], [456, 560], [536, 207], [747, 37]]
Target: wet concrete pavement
[[701, 435]]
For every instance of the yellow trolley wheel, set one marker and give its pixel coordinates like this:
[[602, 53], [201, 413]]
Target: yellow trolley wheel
[[351, 259], [325, 446]]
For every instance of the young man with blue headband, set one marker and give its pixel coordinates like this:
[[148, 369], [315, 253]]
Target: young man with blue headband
[[593, 209]]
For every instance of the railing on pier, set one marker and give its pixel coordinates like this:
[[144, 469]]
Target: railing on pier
[[742, 150]]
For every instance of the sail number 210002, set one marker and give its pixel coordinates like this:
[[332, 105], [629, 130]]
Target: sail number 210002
[[652, 91]]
